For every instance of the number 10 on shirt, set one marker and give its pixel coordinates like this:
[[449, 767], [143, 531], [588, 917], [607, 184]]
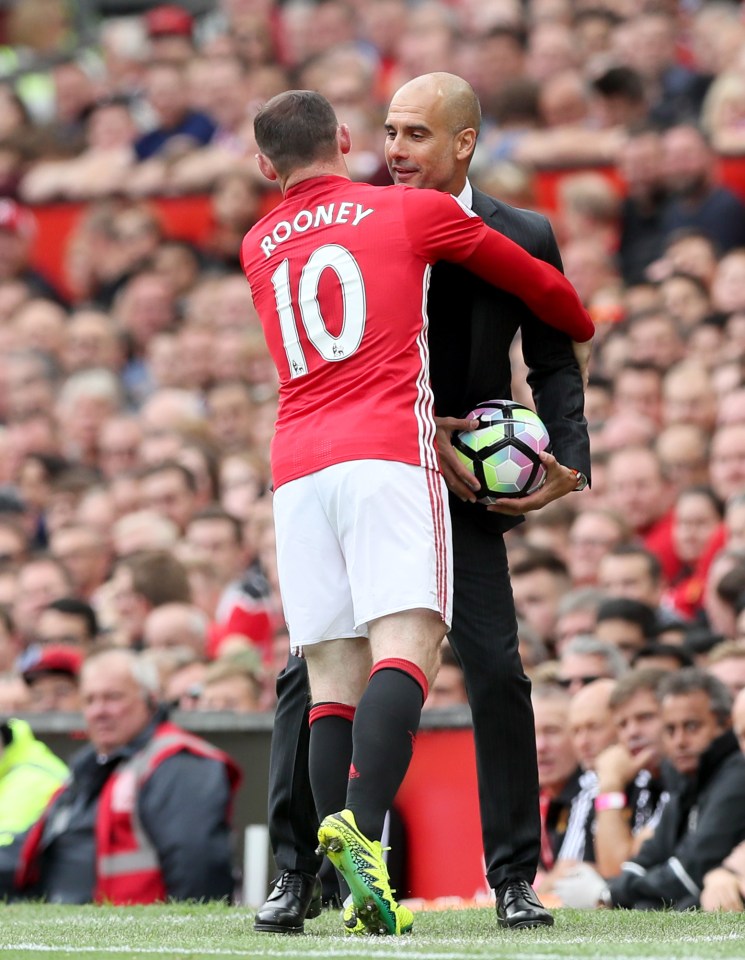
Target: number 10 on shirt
[[331, 256]]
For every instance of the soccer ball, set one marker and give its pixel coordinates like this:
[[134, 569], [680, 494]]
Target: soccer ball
[[503, 452]]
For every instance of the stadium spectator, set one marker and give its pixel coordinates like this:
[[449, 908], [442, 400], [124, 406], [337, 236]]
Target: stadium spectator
[[548, 529], [662, 656], [558, 773], [725, 583], [52, 672], [236, 205], [669, 869], [170, 489], [629, 625], [29, 774], [686, 298], [176, 625], [539, 580], [67, 621], [230, 413], [697, 201], [233, 683], [99, 169], [637, 389], [636, 489], [698, 532], [688, 250], [591, 732], [9, 647], [85, 558], [17, 233], [594, 531], [576, 615], [687, 396], [140, 583], [74, 853], [631, 793], [654, 337], [682, 449], [14, 694], [242, 479], [674, 91], [14, 541], [641, 240], [726, 662], [41, 579], [632, 571], [177, 129], [723, 887], [182, 687], [91, 342], [585, 660], [243, 606], [118, 445], [170, 31], [727, 460], [224, 97]]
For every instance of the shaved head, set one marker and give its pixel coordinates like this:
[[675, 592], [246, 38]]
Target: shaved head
[[431, 129], [452, 95]]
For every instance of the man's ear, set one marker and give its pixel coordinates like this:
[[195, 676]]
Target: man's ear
[[266, 167], [344, 138], [465, 143]]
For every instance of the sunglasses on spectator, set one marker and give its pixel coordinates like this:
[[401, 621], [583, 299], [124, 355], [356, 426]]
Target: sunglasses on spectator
[[566, 682]]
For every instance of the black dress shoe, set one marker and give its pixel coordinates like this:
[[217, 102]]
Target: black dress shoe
[[518, 907], [295, 898]]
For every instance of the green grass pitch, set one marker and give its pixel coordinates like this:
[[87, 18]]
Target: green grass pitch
[[45, 932]]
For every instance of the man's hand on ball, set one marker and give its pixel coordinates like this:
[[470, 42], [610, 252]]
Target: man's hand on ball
[[559, 481], [458, 477]]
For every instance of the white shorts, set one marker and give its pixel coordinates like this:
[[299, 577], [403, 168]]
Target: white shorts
[[360, 540]]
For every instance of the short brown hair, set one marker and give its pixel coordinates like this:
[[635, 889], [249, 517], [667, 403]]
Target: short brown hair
[[295, 128], [158, 576]]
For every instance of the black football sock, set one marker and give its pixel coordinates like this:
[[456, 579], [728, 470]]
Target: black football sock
[[385, 725], [329, 760], [330, 755]]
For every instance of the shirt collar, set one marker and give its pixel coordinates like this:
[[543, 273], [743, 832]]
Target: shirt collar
[[466, 195]]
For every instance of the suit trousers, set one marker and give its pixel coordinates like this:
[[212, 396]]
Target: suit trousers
[[484, 638]]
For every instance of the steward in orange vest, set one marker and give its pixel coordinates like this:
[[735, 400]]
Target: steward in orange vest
[[147, 824]]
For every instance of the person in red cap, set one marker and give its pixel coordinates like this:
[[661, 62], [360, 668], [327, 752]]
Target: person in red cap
[[51, 673], [170, 31]]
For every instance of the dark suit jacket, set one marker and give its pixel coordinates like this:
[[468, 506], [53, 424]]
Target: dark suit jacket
[[472, 325]]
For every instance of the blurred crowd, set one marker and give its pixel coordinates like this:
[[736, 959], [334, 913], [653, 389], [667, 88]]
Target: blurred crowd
[[137, 397]]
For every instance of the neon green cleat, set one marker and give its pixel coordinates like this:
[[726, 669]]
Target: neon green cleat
[[360, 862], [353, 926]]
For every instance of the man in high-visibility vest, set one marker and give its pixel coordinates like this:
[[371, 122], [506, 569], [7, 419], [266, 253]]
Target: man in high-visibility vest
[[144, 817]]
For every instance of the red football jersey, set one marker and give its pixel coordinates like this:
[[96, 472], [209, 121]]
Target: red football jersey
[[339, 273]]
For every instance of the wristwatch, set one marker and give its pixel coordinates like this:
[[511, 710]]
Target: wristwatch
[[581, 480]]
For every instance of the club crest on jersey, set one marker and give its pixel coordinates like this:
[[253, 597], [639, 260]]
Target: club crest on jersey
[[322, 216]]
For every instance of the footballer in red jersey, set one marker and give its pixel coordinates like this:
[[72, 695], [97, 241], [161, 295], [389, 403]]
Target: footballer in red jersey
[[339, 273]]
